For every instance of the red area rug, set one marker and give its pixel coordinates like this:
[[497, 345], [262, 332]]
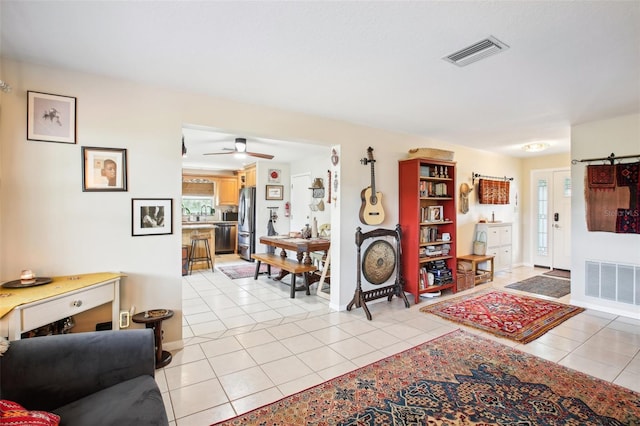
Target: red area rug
[[519, 318], [457, 379], [245, 270]]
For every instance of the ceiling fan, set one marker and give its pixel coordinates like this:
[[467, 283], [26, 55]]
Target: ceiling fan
[[241, 148]]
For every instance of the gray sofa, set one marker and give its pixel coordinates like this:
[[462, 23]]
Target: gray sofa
[[94, 378]]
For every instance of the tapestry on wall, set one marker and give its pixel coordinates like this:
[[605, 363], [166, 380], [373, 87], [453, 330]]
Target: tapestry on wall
[[493, 191], [612, 198]]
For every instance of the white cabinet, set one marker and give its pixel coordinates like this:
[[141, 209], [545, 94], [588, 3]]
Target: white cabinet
[[499, 243]]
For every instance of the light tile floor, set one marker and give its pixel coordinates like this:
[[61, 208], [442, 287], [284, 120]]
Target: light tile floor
[[246, 343]]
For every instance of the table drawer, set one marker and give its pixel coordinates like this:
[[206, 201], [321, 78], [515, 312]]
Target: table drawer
[[42, 313]]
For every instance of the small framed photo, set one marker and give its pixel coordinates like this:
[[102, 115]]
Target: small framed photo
[[274, 176], [51, 118], [274, 192], [104, 169], [435, 214], [151, 216]]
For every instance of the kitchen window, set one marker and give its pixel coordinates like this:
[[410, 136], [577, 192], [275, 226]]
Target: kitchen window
[[197, 205]]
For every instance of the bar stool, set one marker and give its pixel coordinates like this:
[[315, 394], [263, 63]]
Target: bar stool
[[195, 240]]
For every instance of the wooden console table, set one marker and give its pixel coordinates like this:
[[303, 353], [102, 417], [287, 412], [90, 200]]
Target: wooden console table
[[24, 309], [481, 275]]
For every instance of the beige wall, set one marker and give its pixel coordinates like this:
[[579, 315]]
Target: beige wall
[[48, 224], [470, 161]]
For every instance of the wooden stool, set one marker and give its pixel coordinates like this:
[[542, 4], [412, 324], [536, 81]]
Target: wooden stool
[[153, 319], [185, 259], [195, 239]]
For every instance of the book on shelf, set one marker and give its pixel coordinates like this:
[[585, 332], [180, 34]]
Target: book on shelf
[[428, 234]]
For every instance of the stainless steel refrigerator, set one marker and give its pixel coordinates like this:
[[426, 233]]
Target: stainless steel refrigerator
[[247, 223]]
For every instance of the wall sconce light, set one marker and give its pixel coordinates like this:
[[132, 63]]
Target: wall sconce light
[[535, 147]]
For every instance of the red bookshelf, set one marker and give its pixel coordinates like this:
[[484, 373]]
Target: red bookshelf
[[427, 214]]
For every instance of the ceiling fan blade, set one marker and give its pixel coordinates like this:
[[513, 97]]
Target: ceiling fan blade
[[220, 153], [259, 155], [235, 151]]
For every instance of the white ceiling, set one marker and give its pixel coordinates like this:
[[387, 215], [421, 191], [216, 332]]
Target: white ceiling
[[369, 62]]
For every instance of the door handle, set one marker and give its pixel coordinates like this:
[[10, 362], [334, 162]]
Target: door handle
[[556, 217]]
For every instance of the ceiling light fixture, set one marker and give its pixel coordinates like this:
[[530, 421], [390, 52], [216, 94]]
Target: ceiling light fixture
[[184, 149], [241, 145], [535, 147], [487, 47]]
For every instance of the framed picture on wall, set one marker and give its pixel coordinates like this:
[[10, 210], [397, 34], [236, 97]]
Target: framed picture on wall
[[151, 216], [51, 118], [104, 169], [274, 192], [274, 176]]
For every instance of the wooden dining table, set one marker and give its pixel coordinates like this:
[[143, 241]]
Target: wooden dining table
[[302, 246]]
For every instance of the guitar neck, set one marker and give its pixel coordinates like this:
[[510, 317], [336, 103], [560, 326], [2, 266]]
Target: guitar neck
[[373, 179]]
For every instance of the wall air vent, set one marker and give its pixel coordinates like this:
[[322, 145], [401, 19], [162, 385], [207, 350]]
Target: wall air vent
[[482, 49], [612, 281]]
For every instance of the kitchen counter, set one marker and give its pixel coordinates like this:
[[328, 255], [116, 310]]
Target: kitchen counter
[[196, 225]]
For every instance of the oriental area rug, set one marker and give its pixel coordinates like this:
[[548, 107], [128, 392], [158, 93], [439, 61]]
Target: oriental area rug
[[456, 379], [245, 270], [515, 317], [546, 286]]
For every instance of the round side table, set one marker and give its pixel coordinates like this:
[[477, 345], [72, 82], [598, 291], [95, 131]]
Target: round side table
[[153, 319]]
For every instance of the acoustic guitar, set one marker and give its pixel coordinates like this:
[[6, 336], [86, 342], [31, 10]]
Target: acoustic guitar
[[371, 211]]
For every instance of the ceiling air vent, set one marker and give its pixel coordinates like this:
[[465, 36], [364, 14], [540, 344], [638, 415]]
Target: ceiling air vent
[[482, 49]]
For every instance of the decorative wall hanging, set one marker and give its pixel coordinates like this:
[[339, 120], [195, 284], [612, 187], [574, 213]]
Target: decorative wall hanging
[[334, 157], [274, 176], [51, 118], [104, 169], [151, 216], [612, 195], [492, 189], [329, 186], [465, 189]]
